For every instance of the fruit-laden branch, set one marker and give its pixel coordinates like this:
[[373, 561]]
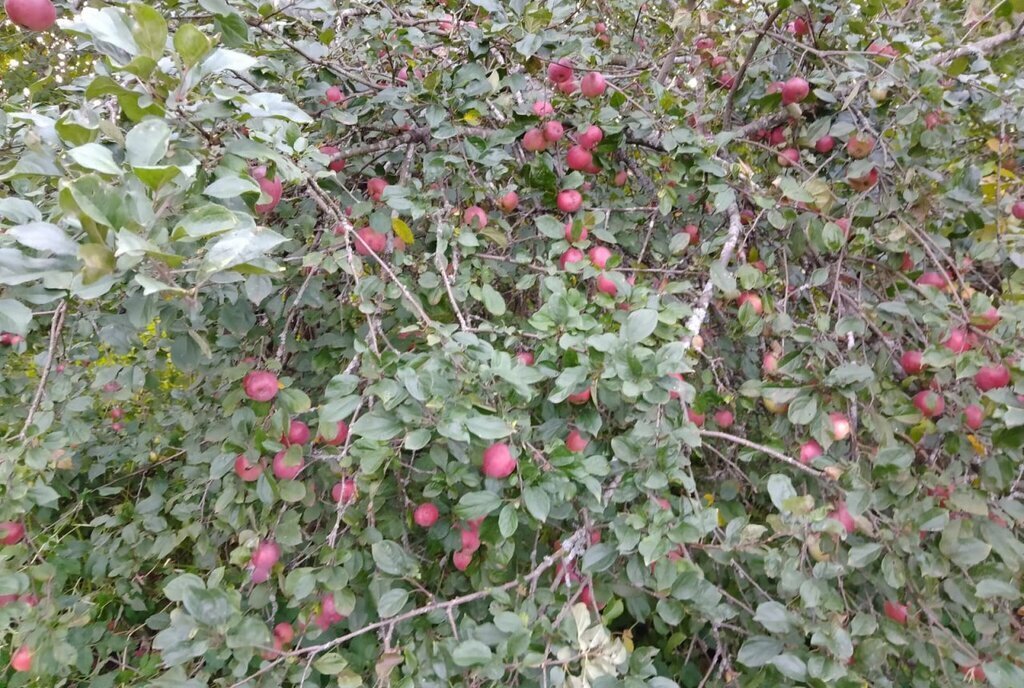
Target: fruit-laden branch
[[700, 310], [570, 545], [55, 327], [766, 450], [741, 72]]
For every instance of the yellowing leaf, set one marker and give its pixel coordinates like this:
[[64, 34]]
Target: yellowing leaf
[[627, 639], [472, 118], [978, 446], [402, 230]]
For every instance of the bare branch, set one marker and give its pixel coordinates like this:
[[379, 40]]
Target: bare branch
[[55, 327]]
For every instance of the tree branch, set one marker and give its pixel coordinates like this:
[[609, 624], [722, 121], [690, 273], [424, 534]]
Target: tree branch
[[55, 327], [700, 310], [765, 450], [741, 72]]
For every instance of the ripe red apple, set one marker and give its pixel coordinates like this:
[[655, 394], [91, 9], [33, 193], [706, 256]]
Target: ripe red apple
[[788, 157], [334, 94], [579, 398], [590, 137], [753, 299], [600, 28], [599, 256], [498, 461], [724, 418], [36, 15], [274, 189], [620, 178], [912, 362], [572, 255], [932, 120], [569, 200], [809, 451], [692, 231], [543, 108], [974, 416], [525, 357], [593, 85], [974, 674], [795, 90], [509, 202], [339, 437], [825, 144], [560, 71], [470, 538], [907, 263], [336, 164], [704, 44], [1017, 210], [116, 413], [344, 491], [606, 285], [266, 554], [896, 611], [865, 182], [368, 241], [578, 158], [958, 341], [860, 146], [570, 234], [534, 141], [929, 403], [882, 48], [992, 377], [117, 427], [567, 87], [575, 442], [375, 188], [298, 433], [246, 470], [329, 614], [987, 320], [844, 517], [798, 27], [11, 533], [425, 515], [284, 632], [553, 131], [770, 363], [840, 425], [283, 470], [933, 279], [844, 224], [260, 385], [475, 216], [462, 560], [695, 418], [21, 659]]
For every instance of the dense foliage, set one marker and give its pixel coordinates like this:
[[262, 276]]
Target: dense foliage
[[526, 343]]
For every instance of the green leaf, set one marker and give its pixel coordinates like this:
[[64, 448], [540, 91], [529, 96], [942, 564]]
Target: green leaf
[[232, 186], [209, 607], [780, 489], [493, 301], [237, 247], [471, 653], [599, 557], [392, 559], [508, 521], [93, 156], [537, 502], [43, 236], [149, 30], [14, 317], [640, 324], [376, 425], [487, 427], [330, 664], [176, 588], [300, 583], [803, 409], [862, 555], [476, 504], [391, 602], [204, 221], [759, 650], [191, 44], [146, 144], [774, 617]]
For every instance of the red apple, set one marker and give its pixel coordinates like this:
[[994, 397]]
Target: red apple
[[509, 202], [498, 461], [974, 674], [958, 342], [798, 27], [247, 470], [860, 146], [367, 241], [592, 85], [475, 216], [36, 15], [724, 418], [283, 470], [987, 320], [840, 425], [590, 137], [575, 442], [274, 189], [21, 659], [425, 515], [567, 87], [753, 299], [907, 263], [578, 158], [525, 357], [620, 178], [560, 71], [579, 398], [809, 451], [334, 94], [470, 538], [11, 533], [692, 231], [770, 363], [569, 200], [788, 157], [462, 560], [534, 141], [704, 44], [329, 614], [929, 403], [865, 182], [570, 234], [266, 554], [933, 279], [776, 137], [340, 436], [375, 188], [336, 164], [599, 256], [912, 362], [1017, 210], [825, 144], [695, 418], [882, 48], [572, 255], [844, 517], [116, 413], [606, 285], [298, 433], [552, 131], [974, 416], [344, 491], [543, 108], [794, 90], [992, 377], [896, 611], [284, 633], [260, 385]]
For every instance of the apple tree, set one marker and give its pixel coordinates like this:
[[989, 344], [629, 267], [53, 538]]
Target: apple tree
[[555, 343]]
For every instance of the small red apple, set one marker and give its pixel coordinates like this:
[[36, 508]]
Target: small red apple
[[543, 108], [599, 256], [788, 157], [606, 285], [933, 279], [344, 491], [339, 437], [560, 71], [462, 560], [298, 433], [534, 141], [329, 614], [569, 200], [929, 403], [525, 357], [593, 85], [844, 517], [809, 451], [620, 178], [21, 659], [283, 470], [425, 515], [578, 158], [367, 241], [695, 418], [912, 362], [825, 144], [974, 674], [579, 398], [266, 554], [274, 189], [865, 182], [751, 298], [798, 27], [567, 87], [11, 533], [958, 341], [260, 385], [509, 202], [572, 255], [992, 377], [770, 363], [896, 611], [590, 137], [575, 442], [246, 470], [692, 231], [1017, 210], [375, 188], [974, 416], [794, 90], [475, 216], [987, 320], [498, 461], [334, 94], [284, 633], [860, 146], [724, 418], [553, 131], [35, 15], [840, 425]]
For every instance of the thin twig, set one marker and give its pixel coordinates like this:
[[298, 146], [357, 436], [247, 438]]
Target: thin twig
[[741, 72], [765, 450], [55, 327]]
